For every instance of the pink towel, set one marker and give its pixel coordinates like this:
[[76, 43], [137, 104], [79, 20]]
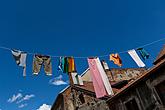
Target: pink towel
[[96, 78]]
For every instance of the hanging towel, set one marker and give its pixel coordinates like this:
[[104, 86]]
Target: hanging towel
[[73, 65], [20, 58], [104, 77], [40, 60], [96, 78], [66, 65], [116, 59], [105, 65], [69, 65], [74, 78], [136, 58], [144, 54], [77, 79]]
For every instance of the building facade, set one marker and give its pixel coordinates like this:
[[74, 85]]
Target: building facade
[[134, 89]]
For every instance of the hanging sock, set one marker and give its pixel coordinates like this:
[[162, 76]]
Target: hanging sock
[[104, 77], [20, 58], [116, 59], [136, 58], [40, 60], [96, 78], [144, 54]]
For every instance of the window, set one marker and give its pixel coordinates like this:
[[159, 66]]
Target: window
[[145, 94], [160, 88], [131, 105], [81, 97]]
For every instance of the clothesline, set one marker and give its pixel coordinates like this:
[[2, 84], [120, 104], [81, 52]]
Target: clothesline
[[84, 57]]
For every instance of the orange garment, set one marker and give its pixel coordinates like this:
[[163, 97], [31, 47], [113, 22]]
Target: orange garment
[[71, 65], [116, 59]]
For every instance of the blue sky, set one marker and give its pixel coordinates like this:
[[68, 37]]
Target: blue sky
[[70, 28]]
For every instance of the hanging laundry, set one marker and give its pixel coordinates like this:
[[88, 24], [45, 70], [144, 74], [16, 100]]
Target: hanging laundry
[[104, 77], [63, 64], [80, 81], [136, 58], [77, 79], [105, 65], [60, 64], [20, 58], [96, 78], [74, 79], [144, 54], [116, 59], [40, 60], [67, 64], [71, 65]]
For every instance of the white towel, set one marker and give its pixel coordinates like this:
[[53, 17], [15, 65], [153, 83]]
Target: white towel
[[136, 58], [104, 78], [80, 80], [77, 79], [74, 78]]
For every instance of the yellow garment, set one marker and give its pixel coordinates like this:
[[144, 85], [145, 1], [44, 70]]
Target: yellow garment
[[116, 59], [73, 65], [70, 65]]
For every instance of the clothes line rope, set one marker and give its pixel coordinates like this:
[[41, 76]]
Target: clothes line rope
[[83, 57]]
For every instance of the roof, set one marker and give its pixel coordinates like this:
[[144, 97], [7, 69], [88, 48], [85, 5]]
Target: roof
[[89, 86], [160, 56], [136, 81], [116, 84], [160, 61]]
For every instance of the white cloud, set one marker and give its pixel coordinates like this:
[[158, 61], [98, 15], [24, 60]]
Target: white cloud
[[22, 105], [14, 98], [44, 107], [57, 81], [59, 77], [27, 97], [19, 99]]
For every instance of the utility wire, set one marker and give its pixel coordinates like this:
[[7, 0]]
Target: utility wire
[[82, 57]]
